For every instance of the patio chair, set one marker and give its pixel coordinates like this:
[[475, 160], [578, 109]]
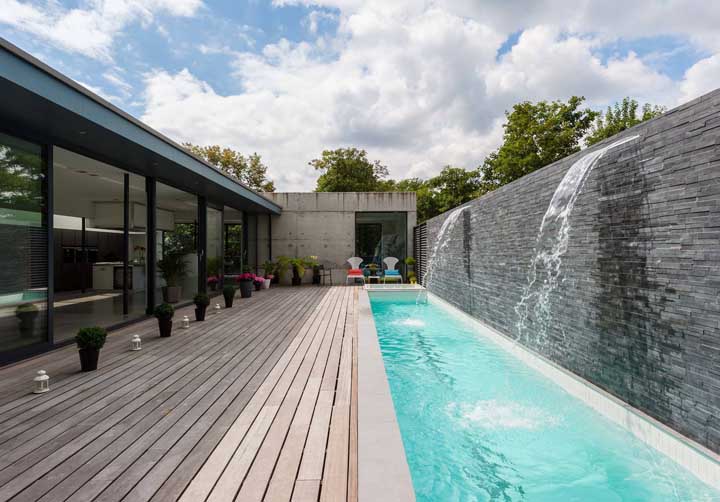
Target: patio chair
[[390, 272], [355, 272]]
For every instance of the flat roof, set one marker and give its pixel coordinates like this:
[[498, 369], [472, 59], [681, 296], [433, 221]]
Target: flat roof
[[45, 104]]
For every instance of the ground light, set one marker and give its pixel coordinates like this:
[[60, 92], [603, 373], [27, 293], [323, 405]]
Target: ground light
[[42, 382]]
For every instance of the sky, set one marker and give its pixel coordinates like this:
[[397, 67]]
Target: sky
[[418, 84]]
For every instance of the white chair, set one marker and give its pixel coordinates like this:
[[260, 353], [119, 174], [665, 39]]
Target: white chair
[[355, 272], [390, 272]]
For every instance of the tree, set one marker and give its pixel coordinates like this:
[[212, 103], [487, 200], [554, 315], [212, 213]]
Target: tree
[[249, 170], [536, 134], [619, 117], [349, 170]]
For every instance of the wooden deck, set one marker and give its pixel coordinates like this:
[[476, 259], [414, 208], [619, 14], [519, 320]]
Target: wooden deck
[[259, 402]]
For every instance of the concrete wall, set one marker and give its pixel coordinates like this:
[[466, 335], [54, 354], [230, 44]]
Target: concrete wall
[[634, 303], [323, 224]]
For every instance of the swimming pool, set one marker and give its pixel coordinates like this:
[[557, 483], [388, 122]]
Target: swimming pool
[[478, 424]]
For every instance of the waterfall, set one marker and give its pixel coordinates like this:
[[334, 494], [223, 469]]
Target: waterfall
[[441, 242], [550, 246]]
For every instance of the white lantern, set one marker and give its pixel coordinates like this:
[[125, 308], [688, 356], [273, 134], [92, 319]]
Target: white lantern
[[218, 308], [136, 343], [42, 382]]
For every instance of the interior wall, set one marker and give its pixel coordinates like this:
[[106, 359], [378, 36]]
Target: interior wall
[[631, 302]]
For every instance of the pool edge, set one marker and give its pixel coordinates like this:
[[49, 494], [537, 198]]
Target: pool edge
[[698, 460], [383, 471]]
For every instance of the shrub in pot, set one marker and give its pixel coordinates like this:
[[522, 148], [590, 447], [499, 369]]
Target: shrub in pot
[[268, 273], [258, 282], [201, 301], [246, 284], [410, 262], [27, 314], [172, 269], [229, 295], [164, 314], [282, 265], [298, 267], [89, 342], [267, 281], [212, 282]]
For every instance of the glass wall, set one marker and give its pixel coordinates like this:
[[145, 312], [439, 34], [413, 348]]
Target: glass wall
[[177, 244], [233, 244], [89, 244], [214, 249], [23, 244], [379, 236]]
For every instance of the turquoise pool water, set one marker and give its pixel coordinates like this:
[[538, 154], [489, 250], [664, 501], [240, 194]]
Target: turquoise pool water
[[479, 425]]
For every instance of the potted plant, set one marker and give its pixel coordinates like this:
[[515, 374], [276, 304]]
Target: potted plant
[[201, 300], [164, 314], [229, 295], [212, 282], [213, 271], [411, 277], [258, 282], [282, 265], [268, 269], [172, 269], [27, 313], [90, 341], [298, 267], [246, 284], [373, 269]]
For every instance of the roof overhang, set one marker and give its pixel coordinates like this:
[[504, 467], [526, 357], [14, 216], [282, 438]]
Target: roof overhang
[[49, 107]]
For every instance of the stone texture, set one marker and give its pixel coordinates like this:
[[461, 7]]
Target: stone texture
[[637, 306]]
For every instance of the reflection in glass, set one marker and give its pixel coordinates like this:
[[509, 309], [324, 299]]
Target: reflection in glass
[[214, 249], [379, 236], [23, 245]]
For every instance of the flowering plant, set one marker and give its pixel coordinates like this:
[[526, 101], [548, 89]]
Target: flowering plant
[[213, 279], [247, 276], [269, 276], [258, 280]]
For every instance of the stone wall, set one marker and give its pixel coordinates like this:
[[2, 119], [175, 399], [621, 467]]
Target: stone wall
[[631, 301]]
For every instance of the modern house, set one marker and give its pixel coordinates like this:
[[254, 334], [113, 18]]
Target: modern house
[[92, 200]]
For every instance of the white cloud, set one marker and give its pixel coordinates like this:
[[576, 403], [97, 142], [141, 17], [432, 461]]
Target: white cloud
[[91, 29], [702, 77]]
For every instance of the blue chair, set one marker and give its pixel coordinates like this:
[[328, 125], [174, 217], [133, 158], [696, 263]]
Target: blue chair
[[390, 273]]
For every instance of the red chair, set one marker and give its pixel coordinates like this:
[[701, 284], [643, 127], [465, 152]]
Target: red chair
[[355, 272]]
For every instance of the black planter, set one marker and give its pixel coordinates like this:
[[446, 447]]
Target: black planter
[[296, 281], [88, 359], [228, 300], [258, 287], [165, 327], [200, 312], [27, 323], [246, 289], [275, 279]]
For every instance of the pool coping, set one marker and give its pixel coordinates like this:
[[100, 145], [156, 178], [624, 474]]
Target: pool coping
[[697, 459], [383, 471]]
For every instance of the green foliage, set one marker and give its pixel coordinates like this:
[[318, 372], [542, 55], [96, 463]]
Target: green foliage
[[229, 290], [282, 264], [91, 338], [164, 311], [268, 267], [21, 177], [201, 300], [536, 134], [213, 265], [410, 261], [172, 268], [249, 170], [619, 117], [26, 308], [300, 264], [348, 170], [182, 240]]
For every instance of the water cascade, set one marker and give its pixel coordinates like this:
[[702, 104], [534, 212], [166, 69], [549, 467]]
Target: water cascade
[[551, 245], [441, 242]]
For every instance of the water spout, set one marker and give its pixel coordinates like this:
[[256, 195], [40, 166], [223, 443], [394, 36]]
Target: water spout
[[441, 242], [551, 245]]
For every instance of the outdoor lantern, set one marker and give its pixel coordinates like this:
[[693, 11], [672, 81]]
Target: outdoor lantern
[[186, 322], [42, 382], [218, 308], [136, 343]]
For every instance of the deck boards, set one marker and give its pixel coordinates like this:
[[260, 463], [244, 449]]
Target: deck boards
[[256, 403]]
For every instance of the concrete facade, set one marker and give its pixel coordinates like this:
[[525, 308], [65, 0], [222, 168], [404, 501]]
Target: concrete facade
[[635, 308], [322, 224]]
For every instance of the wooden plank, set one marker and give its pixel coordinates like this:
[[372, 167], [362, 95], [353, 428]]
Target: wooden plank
[[335, 473], [143, 433], [234, 474], [353, 461], [182, 368], [204, 481], [305, 385], [306, 491]]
